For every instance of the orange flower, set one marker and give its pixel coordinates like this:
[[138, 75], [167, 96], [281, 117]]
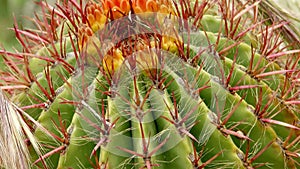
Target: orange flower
[[124, 6], [84, 34], [88, 43], [96, 16], [151, 6], [98, 13], [118, 8], [140, 6]]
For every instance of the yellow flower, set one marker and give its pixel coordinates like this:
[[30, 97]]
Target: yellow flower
[[112, 61]]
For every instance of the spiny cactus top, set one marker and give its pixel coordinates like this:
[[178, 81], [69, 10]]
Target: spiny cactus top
[[153, 84]]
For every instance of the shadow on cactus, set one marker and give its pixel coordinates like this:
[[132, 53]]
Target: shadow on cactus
[[153, 84]]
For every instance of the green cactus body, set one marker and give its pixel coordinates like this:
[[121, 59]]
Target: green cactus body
[[158, 84]]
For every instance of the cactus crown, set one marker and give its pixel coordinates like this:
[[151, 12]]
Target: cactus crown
[[154, 84]]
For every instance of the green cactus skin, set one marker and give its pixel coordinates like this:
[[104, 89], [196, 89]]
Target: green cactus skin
[[226, 97]]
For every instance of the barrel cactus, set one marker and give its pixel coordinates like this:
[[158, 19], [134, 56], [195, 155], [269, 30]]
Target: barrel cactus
[[153, 84]]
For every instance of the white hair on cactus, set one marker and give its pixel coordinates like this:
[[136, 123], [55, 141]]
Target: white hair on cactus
[[13, 132]]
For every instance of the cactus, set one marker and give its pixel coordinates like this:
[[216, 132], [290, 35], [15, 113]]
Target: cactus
[[153, 84]]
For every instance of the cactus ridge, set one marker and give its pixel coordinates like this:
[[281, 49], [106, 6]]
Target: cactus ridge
[[157, 84]]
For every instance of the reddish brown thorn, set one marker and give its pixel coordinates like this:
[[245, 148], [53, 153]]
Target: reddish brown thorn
[[235, 29], [57, 150], [256, 70], [197, 76], [35, 98], [44, 91], [285, 89], [231, 68], [15, 87], [280, 54], [62, 42], [8, 59], [198, 91], [263, 75], [62, 128], [78, 6], [34, 106], [136, 91], [259, 165], [237, 88], [33, 36], [126, 100], [47, 59], [66, 65], [235, 133], [96, 164], [145, 144], [147, 155], [263, 113], [210, 160], [49, 81], [21, 56], [184, 131], [180, 123], [175, 116], [101, 142], [247, 151], [232, 111], [293, 143], [70, 102], [168, 84], [292, 102], [131, 152], [196, 58], [19, 37], [224, 12], [158, 147], [199, 11], [44, 164], [187, 115], [68, 15], [243, 33], [226, 49], [271, 121], [247, 9], [231, 19], [96, 126], [260, 152], [250, 67], [50, 8], [169, 120], [196, 157], [292, 154]]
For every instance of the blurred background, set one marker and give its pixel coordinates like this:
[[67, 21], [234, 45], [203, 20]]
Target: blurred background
[[9, 9]]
